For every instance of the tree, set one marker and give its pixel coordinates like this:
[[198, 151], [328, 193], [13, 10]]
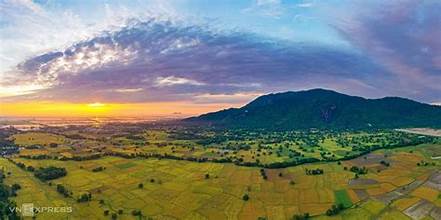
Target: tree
[[50, 173], [30, 168], [140, 185], [245, 197], [136, 213], [304, 216], [114, 216], [15, 187], [85, 197], [62, 190], [334, 210]]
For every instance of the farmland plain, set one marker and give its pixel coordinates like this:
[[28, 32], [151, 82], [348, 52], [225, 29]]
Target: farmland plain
[[156, 175]]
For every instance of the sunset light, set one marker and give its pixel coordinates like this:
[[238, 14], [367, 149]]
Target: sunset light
[[96, 105], [244, 109], [98, 109]]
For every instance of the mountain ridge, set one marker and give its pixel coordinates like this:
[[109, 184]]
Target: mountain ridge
[[322, 108]]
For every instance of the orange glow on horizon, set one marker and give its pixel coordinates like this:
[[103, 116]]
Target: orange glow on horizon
[[97, 109]]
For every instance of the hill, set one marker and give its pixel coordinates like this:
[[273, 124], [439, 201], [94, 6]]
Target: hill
[[320, 108]]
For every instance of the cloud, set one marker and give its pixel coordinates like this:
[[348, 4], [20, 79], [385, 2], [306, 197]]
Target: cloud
[[129, 90], [173, 80], [180, 44], [30, 27], [49, 68], [225, 98], [401, 36], [173, 61], [19, 90], [268, 8]]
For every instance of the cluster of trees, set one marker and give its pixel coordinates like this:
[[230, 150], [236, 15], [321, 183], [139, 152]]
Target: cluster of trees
[[358, 170], [98, 169], [136, 213], [135, 137], [424, 163], [294, 162], [63, 190], [38, 157], [86, 197], [317, 171], [7, 207], [14, 188], [385, 163], [217, 139], [74, 136], [22, 166], [382, 139], [33, 146], [263, 174], [83, 157], [245, 197], [50, 173], [114, 216], [185, 134], [334, 210], [303, 216]]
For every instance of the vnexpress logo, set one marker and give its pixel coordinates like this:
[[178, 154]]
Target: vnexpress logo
[[27, 209]]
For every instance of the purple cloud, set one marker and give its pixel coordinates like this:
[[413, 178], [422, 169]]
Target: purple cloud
[[165, 61], [401, 36]]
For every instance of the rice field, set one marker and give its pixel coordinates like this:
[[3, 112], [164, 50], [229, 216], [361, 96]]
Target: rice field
[[178, 189]]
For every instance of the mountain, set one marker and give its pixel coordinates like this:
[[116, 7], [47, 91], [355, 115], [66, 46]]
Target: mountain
[[320, 108]]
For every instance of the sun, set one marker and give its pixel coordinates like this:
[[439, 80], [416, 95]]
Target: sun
[[96, 105]]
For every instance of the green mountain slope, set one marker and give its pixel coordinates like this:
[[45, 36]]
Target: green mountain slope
[[319, 108]]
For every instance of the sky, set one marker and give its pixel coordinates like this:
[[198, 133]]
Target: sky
[[157, 57]]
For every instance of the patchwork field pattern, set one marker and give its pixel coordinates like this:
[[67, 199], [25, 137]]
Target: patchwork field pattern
[[180, 189], [394, 183]]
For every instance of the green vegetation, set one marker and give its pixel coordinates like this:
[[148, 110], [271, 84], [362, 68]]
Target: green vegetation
[[7, 207], [319, 108], [62, 190], [183, 172], [85, 197], [98, 169], [358, 170], [334, 210], [342, 197], [245, 197], [316, 171], [50, 173], [304, 216], [267, 149]]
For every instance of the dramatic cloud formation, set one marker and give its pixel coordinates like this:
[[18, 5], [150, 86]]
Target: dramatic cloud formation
[[174, 61], [401, 36], [390, 48]]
